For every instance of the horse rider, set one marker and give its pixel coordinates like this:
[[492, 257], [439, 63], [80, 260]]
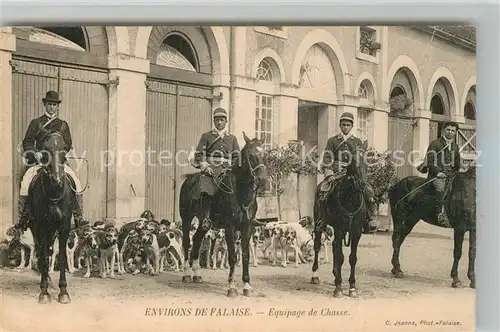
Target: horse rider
[[37, 130], [339, 152], [216, 152], [442, 160]]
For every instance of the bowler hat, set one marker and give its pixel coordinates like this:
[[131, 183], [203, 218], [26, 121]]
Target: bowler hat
[[219, 111], [51, 96], [347, 116]]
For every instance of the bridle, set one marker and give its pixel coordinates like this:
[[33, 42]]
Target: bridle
[[252, 169]]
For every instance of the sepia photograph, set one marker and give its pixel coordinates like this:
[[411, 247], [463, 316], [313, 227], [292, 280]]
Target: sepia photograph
[[209, 178]]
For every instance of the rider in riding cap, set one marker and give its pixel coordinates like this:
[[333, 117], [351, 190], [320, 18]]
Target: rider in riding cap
[[216, 152], [37, 130], [442, 160], [338, 154]]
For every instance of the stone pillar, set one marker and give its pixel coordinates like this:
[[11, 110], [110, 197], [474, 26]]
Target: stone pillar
[[380, 130], [327, 127], [127, 138], [244, 109], [286, 129], [7, 47], [420, 139]]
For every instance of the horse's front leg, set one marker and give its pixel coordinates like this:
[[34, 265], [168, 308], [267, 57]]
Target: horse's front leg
[[338, 261], [231, 252], [63, 296], [315, 266], [471, 271], [246, 231], [195, 253], [43, 267], [353, 259], [186, 243], [458, 238]]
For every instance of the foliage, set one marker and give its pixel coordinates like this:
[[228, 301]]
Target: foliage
[[400, 103], [381, 174], [368, 45], [281, 162]]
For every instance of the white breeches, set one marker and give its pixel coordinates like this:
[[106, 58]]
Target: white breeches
[[30, 173]]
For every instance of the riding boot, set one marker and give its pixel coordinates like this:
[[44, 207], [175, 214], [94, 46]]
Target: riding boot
[[370, 223], [206, 205], [442, 218], [23, 213], [78, 211]]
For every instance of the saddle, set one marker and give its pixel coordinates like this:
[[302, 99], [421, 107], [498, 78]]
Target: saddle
[[330, 183], [210, 184]]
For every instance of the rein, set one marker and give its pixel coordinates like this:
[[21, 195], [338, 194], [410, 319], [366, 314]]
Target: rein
[[350, 215], [412, 191], [86, 180]]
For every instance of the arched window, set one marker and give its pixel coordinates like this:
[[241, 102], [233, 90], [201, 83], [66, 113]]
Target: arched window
[[177, 52], [397, 91], [437, 104], [72, 38], [265, 71], [470, 111], [316, 70]]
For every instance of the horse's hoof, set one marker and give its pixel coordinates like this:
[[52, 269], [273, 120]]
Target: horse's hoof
[[457, 284], [187, 279], [86, 275], [397, 273], [197, 279], [353, 293], [44, 298], [338, 293], [473, 284], [232, 292], [64, 299], [247, 292], [315, 280]]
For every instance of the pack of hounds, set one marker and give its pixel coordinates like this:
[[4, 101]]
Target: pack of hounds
[[151, 247]]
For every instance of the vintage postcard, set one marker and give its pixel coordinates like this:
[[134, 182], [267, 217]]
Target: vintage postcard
[[238, 178]]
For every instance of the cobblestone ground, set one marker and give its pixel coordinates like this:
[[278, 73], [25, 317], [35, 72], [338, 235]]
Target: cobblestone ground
[[424, 297]]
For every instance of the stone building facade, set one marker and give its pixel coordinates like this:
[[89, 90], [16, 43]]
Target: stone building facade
[[130, 90]]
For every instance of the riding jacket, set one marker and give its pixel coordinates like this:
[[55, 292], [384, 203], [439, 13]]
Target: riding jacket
[[213, 147], [36, 133], [338, 150], [442, 158]]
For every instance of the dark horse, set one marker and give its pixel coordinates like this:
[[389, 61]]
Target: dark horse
[[344, 209], [412, 199], [234, 208], [50, 198]]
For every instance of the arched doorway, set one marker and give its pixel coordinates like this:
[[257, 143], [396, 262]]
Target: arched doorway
[[318, 77], [72, 61], [402, 95], [466, 138], [441, 106], [178, 110]]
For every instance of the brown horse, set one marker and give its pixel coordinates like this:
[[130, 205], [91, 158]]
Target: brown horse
[[234, 208], [50, 198], [344, 209], [412, 199]]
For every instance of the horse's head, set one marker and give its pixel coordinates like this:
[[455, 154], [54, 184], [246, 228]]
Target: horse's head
[[357, 167], [53, 150], [254, 157]]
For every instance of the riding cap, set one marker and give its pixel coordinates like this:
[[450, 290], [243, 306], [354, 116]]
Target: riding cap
[[219, 111], [347, 116], [51, 96]]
